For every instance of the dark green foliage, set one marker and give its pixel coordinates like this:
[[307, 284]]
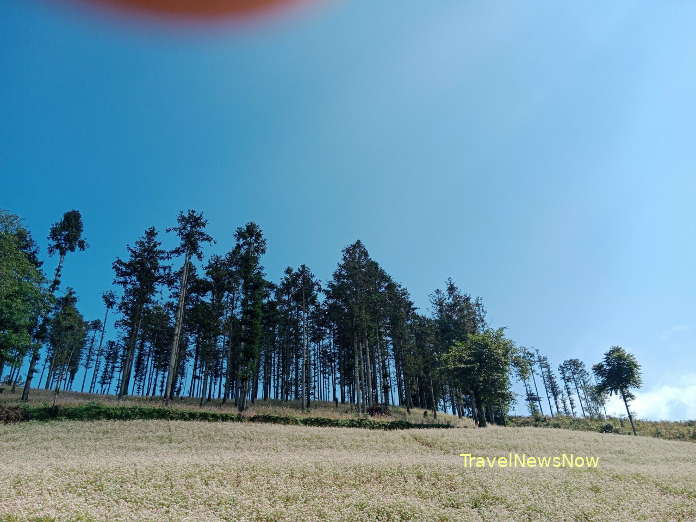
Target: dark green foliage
[[96, 411], [248, 250], [607, 428], [65, 236], [225, 332], [617, 374], [191, 231], [23, 300], [481, 364], [139, 277], [67, 334]]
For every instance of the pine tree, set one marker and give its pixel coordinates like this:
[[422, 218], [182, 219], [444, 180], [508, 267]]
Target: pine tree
[[250, 246], [566, 379], [109, 300], [92, 327], [190, 229], [65, 236], [66, 336], [139, 277]]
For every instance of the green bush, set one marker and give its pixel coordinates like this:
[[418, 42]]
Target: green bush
[[606, 428]]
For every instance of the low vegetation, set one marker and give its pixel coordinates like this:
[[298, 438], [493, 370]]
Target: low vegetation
[[670, 430], [81, 406]]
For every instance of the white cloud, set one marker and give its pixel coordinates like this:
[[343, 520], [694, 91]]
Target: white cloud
[[667, 402]]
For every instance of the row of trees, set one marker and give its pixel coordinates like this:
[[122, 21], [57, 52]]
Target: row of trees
[[221, 330], [575, 394]]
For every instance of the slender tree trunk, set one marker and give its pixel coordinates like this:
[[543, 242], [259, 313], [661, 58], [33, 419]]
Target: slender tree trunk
[[30, 373], [628, 410], [130, 351], [432, 398], [577, 391], [56, 277], [356, 379], [546, 387], [537, 391], [174, 356], [88, 361], [480, 414], [305, 379]]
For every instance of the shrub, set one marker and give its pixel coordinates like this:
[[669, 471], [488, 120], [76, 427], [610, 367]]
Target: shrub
[[12, 414], [378, 411], [606, 428]]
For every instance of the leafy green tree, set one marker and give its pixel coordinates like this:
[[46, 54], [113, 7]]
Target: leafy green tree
[[481, 363], [191, 231], [12, 224], [23, 300], [618, 372]]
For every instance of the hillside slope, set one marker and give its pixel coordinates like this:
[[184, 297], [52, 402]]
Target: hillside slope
[[192, 470]]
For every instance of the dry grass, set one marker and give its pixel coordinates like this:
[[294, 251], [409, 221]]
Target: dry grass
[[283, 409], [200, 471]]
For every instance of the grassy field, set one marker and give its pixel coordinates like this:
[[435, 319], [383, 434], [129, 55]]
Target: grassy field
[[191, 471], [184, 470]]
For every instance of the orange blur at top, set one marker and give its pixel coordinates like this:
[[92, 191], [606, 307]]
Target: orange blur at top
[[200, 8]]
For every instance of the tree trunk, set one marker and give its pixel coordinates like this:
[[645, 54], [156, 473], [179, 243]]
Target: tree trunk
[[128, 357], [577, 391], [174, 356], [537, 391], [480, 414], [305, 352], [630, 417], [88, 361], [32, 369]]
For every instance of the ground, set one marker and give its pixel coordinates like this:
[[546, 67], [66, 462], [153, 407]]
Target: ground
[[116, 470], [259, 407]]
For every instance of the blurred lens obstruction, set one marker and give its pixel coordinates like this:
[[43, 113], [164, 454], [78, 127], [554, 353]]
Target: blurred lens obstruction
[[198, 8]]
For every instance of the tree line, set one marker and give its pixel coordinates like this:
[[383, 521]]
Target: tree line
[[218, 329]]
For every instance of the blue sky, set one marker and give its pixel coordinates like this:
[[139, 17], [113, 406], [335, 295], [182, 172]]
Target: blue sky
[[541, 155]]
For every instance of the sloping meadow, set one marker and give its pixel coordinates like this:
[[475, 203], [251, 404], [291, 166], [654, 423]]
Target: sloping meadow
[[163, 469]]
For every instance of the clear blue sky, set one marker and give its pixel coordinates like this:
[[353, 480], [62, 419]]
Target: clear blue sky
[[543, 156]]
